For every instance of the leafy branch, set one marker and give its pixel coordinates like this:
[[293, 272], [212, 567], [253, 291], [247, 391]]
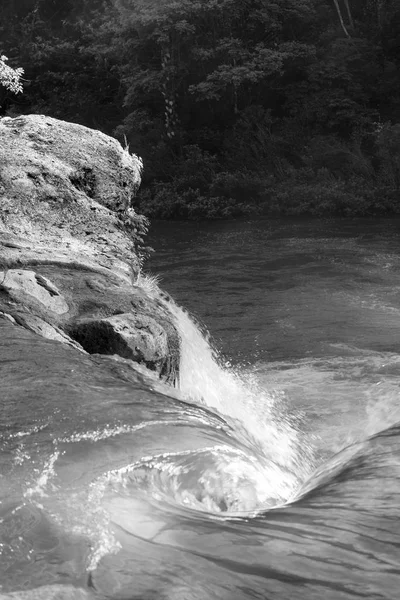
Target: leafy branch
[[10, 78]]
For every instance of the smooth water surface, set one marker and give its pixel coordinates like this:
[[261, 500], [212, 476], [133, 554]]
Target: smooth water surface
[[272, 471], [285, 289]]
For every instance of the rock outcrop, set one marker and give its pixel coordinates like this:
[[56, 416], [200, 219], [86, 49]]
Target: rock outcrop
[[68, 261], [49, 592]]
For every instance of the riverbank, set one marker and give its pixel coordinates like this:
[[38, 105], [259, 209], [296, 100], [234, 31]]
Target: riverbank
[[303, 192]]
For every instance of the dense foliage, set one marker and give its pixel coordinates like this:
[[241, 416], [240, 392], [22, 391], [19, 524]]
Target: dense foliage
[[236, 106]]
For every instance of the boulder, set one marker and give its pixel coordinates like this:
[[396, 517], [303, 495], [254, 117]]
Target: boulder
[[131, 335], [69, 264], [63, 188], [31, 289]]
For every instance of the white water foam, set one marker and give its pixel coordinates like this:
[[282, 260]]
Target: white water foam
[[39, 487], [254, 412], [217, 479]]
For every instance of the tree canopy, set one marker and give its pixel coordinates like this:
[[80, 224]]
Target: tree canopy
[[236, 106]]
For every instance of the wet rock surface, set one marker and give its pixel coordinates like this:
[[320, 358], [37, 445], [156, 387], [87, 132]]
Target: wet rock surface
[[33, 290], [68, 265], [131, 335], [49, 592]]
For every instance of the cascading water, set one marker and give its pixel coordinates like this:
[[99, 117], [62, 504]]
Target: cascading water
[[261, 464]]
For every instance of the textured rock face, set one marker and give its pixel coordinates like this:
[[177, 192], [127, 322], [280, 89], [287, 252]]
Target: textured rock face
[[64, 186], [136, 336], [68, 268], [30, 289]]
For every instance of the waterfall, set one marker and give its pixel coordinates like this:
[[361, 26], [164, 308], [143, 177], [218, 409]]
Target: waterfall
[[258, 461], [256, 414]]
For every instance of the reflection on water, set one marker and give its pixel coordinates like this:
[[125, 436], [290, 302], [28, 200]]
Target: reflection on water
[[271, 472]]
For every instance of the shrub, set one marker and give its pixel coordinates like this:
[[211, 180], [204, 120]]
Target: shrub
[[10, 78], [167, 203], [388, 154], [198, 190], [137, 226]]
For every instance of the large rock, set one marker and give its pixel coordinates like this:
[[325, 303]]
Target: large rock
[[31, 289], [64, 186], [49, 592], [68, 265], [137, 336]]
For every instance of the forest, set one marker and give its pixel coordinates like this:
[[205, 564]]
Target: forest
[[237, 107]]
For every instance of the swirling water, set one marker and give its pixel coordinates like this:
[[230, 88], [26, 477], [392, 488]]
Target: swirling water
[[273, 471]]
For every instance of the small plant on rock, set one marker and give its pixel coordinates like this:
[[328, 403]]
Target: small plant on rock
[[137, 226], [10, 78]]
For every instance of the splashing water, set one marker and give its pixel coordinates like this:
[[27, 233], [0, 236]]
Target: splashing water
[[266, 460], [242, 457]]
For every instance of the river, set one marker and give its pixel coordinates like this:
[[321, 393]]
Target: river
[[272, 471]]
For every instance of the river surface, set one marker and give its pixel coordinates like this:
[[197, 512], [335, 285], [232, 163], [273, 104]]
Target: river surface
[[309, 309], [271, 472]]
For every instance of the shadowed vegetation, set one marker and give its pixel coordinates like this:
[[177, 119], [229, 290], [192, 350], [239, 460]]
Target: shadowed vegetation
[[236, 106]]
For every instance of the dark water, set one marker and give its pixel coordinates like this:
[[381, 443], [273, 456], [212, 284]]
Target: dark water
[[278, 290], [273, 472]]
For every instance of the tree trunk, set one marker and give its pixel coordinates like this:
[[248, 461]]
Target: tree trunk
[[168, 92], [336, 3], [347, 5]]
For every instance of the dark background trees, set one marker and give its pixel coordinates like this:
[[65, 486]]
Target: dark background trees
[[236, 106]]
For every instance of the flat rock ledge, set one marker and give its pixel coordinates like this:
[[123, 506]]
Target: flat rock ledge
[[50, 592], [68, 262]]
